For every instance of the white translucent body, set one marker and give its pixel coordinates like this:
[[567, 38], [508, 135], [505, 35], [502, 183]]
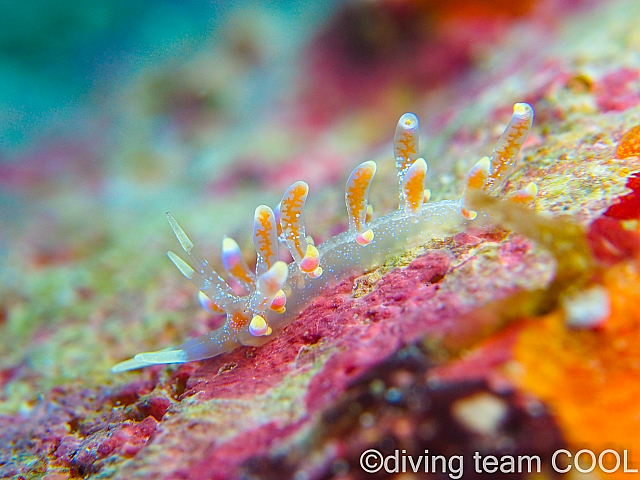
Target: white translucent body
[[341, 257]]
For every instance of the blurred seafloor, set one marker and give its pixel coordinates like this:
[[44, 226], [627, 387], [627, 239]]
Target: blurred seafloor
[[113, 114]]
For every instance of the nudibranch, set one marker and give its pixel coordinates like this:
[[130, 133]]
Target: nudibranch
[[276, 292]]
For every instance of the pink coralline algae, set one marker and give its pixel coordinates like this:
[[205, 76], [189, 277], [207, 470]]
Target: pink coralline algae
[[335, 316], [81, 430], [354, 326], [364, 322], [398, 406], [618, 91]]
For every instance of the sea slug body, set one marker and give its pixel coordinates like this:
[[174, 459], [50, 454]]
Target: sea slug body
[[489, 174], [277, 292], [357, 200]]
